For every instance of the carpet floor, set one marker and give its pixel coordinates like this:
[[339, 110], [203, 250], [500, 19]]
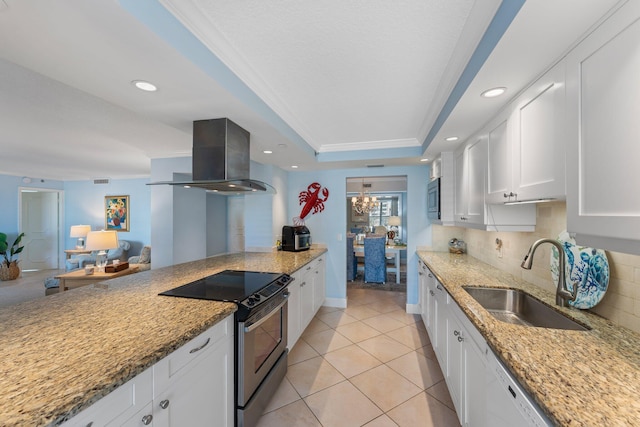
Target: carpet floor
[[389, 285]]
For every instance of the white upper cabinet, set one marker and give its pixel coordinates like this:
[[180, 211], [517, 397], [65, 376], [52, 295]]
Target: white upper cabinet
[[603, 129], [435, 171], [500, 165], [471, 209], [539, 139], [470, 183], [526, 147]]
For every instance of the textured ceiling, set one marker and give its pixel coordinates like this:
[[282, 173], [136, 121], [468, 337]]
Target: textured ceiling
[[359, 82], [339, 72]]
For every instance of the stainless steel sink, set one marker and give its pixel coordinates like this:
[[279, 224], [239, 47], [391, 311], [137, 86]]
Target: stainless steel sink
[[519, 308]]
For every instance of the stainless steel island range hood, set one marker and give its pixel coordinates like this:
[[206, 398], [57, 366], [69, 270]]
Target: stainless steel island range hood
[[221, 160]]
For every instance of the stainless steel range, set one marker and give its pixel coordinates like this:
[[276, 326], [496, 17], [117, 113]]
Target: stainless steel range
[[261, 332]]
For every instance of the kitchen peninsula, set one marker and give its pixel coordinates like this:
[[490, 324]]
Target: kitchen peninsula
[[62, 353], [578, 378]]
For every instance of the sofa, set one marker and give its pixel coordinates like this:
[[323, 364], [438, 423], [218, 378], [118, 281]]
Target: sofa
[[79, 261], [142, 261]]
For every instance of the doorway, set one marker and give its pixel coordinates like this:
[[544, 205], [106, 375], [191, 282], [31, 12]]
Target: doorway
[[41, 220], [386, 216]]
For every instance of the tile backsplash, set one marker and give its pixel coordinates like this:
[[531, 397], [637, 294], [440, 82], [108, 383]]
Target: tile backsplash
[[621, 303]]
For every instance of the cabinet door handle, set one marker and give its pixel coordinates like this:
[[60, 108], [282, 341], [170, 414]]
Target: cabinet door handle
[[302, 284], [460, 339], [146, 420], [439, 287], [430, 275], [419, 273], [456, 333], [431, 292], [164, 404], [193, 350], [308, 268]]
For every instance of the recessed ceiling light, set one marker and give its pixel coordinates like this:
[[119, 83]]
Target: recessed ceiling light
[[451, 138], [232, 185], [294, 167], [492, 93], [424, 160], [268, 152], [144, 85]]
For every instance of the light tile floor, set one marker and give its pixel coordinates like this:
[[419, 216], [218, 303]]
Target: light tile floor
[[370, 364]]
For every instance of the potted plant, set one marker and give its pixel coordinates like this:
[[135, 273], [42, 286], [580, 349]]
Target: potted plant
[[9, 269]]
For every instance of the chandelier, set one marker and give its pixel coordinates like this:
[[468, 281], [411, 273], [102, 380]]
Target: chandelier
[[363, 204]]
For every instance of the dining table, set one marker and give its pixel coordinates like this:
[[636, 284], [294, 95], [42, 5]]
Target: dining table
[[391, 251]]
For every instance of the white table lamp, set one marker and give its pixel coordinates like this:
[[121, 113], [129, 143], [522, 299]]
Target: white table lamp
[[102, 241], [395, 221], [80, 232]]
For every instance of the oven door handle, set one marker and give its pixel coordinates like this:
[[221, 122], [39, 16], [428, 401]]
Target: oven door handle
[[253, 326]]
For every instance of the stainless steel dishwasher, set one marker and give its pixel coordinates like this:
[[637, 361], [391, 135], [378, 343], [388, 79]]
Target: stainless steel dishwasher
[[508, 405]]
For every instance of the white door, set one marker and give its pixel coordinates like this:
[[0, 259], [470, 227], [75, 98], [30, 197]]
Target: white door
[[39, 222]]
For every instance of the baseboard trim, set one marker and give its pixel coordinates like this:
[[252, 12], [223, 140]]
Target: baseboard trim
[[335, 302], [414, 309]]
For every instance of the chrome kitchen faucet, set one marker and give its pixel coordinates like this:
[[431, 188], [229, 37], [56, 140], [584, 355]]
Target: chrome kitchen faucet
[[563, 296]]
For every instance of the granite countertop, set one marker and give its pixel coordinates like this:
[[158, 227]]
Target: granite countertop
[[578, 378], [62, 353]]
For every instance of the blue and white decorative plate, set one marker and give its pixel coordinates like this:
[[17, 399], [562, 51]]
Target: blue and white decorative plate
[[586, 267]]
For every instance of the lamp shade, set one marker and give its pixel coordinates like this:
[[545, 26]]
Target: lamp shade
[[80, 230], [395, 220], [102, 240]]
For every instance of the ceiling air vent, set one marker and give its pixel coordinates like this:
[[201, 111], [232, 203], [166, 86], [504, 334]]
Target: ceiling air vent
[[366, 185], [375, 166], [101, 181]]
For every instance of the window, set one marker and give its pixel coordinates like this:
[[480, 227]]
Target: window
[[380, 216]]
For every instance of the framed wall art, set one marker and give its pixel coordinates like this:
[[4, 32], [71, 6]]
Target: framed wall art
[[116, 215]]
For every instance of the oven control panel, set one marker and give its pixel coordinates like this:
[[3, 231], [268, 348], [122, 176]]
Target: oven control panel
[[265, 293]]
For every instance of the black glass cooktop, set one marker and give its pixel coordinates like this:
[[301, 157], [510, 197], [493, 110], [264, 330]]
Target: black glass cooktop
[[228, 285]]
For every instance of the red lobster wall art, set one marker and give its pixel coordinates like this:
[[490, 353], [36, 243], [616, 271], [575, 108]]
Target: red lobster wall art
[[312, 201]]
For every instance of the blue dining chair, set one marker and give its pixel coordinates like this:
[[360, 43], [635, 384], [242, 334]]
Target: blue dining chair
[[352, 262], [375, 264]]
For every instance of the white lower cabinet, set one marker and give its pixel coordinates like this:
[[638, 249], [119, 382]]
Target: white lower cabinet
[[319, 283], [306, 301], [438, 321], [423, 292], [126, 401], [482, 390], [192, 386], [466, 367], [306, 296], [294, 326]]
